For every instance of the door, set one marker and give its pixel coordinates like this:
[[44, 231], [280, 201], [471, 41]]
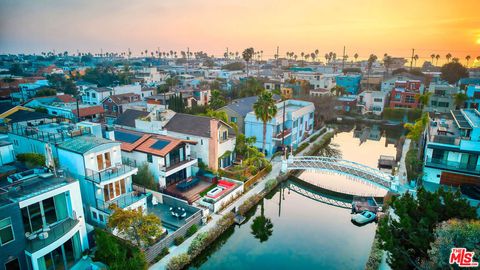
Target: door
[[100, 162]]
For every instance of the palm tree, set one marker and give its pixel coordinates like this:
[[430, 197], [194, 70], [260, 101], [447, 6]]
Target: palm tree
[[423, 99], [316, 53], [313, 55], [265, 109], [371, 59], [415, 58], [355, 56], [468, 57], [460, 99], [437, 57], [448, 56], [327, 57], [432, 56], [387, 61], [247, 56]]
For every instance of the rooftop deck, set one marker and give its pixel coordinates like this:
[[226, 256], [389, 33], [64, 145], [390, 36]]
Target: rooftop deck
[[53, 234]]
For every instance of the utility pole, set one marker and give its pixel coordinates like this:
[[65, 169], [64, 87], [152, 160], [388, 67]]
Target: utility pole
[[277, 55], [283, 131], [411, 59], [343, 59], [227, 54], [188, 52]]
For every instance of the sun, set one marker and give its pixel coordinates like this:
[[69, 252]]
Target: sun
[[478, 40]]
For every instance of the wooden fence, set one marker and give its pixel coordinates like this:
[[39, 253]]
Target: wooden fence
[[255, 178]]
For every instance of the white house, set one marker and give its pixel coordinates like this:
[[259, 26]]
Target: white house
[[372, 102]]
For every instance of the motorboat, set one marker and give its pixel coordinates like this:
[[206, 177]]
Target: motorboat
[[364, 217]]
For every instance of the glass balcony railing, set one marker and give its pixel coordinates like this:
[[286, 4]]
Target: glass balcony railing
[[453, 165], [115, 171], [39, 240], [123, 201]]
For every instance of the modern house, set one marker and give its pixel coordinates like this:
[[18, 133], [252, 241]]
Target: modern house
[[114, 104], [94, 95], [28, 90], [372, 102], [42, 223], [351, 83], [403, 94], [238, 109], [442, 98], [473, 93], [169, 159], [215, 139], [294, 128], [389, 83], [452, 149]]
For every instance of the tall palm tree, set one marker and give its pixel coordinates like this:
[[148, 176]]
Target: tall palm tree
[[262, 227], [433, 57], [437, 57], [423, 99], [371, 59], [355, 56], [448, 56], [468, 57], [265, 110], [415, 58], [247, 55], [327, 57]]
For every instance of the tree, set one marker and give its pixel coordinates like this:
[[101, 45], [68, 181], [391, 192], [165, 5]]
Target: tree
[[448, 56], [265, 110], [408, 232], [387, 62], [32, 160], [450, 234], [371, 59], [234, 66], [16, 69], [433, 57], [452, 72], [217, 100], [144, 177], [138, 227], [416, 130], [423, 99], [46, 92], [117, 253], [355, 56], [460, 99], [247, 55], [338, 90], [436, 58], [262, 227]]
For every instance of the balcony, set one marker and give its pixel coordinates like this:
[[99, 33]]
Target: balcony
[[287, 132], [107, 174], [123, 201], [173, 166], [37, 241], [453, 165]]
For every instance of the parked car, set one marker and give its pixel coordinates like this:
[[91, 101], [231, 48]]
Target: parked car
[[364, 217]]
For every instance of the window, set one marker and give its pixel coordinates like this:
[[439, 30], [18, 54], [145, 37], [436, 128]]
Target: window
[[94, 95], [6, 231], [311, 115], [233, 119], [409, 99], [101, 217], [377, 100], [149, 158], [94, 214], [103, 161], [443, 104], [12, 265]]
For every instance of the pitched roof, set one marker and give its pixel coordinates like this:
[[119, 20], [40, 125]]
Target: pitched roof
[[242, 106], [122, 98], [23, 115], [130, 139], [189, 124], [83, 144], [91, 110], [128, 117], [66, 98]]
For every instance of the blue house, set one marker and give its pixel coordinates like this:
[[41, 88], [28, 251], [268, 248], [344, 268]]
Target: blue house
[[351, 83], [298, 126], [473, 93]]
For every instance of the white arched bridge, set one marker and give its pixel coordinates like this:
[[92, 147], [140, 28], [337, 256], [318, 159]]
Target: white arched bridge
[[368, 174]]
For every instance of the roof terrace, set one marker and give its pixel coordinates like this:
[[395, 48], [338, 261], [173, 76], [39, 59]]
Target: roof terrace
[[47, 130]]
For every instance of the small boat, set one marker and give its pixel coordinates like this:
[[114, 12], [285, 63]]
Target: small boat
[[364, 217]]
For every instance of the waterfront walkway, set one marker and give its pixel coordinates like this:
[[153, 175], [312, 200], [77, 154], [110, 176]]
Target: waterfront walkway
[[402, 169], [256, 189]]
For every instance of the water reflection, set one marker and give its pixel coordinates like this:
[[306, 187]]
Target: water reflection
[[262, 227]]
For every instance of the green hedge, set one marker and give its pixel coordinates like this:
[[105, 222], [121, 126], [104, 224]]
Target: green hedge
[[32, 160]]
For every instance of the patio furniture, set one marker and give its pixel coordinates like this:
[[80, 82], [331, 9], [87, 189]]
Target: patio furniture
[[187, 184]]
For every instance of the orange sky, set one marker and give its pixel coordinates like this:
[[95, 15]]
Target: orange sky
[[364, 26]]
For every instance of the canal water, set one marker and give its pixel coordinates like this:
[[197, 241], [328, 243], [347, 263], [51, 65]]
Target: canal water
[[288, 230]]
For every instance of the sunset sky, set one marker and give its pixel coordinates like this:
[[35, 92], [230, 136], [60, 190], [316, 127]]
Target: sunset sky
[[363, 26]]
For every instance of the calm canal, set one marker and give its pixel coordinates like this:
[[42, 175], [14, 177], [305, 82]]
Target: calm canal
[[290, 231]]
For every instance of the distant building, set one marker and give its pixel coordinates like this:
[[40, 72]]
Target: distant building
[[372, 102], [113, 105], [346, 103], [351, 83], [403, 94], [318, 92], [298, 124], [473, 93], [94, 96], [452, 149], [28, 91], [442, 99]]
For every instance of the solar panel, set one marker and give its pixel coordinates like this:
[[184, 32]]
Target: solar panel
[[126, 137], [160, 144]]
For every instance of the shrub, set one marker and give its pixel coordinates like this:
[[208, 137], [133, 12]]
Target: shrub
[[301, 147], [178, 262], [179, 240], [192, 230], [198, 244], [162, 254], [271, 184], [249, 203], [32, 160]]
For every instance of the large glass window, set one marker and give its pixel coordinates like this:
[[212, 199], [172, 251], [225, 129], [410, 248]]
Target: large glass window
[[12, 265], [32, 217], [49, 210], [6, 231]]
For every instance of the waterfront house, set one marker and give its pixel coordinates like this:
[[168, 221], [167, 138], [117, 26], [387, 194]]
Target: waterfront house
[[372, 102], [215, 139], [473, 93], [169, 159], [294, 128], [351, 82], [346, 103], [403, 94], [452, 149], [442, 98], [42, 222]]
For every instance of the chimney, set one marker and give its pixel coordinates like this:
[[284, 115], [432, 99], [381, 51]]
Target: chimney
[[110, 133]]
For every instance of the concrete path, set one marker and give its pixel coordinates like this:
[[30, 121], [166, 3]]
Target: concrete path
[[183, 248], [402, 170], [301, 153]]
